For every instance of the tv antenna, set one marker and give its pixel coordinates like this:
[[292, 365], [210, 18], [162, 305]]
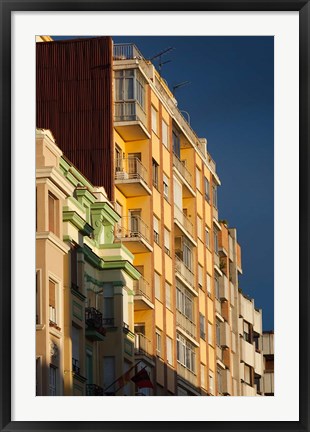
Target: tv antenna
[[181, 84], [160, 55]]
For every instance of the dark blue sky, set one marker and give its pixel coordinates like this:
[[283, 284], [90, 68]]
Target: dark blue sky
[[230, 101]]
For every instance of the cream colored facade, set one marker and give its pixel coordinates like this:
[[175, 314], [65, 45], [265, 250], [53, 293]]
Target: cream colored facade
[[84, 289]]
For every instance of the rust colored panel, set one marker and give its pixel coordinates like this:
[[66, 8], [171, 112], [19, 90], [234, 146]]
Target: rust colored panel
[[74, 101]]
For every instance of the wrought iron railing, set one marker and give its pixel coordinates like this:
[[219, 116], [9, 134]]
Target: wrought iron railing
[[186, 324], [129, 169], [143, 345], [94, 320], [94, 390], [133, 227], [184, 271], [142, 288], [182, 169], [129, 111], [183, 219]]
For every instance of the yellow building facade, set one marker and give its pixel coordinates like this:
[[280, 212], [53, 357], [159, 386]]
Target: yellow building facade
[[151, 279]]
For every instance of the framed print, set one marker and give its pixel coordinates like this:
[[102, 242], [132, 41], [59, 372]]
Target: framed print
[[160, 270]]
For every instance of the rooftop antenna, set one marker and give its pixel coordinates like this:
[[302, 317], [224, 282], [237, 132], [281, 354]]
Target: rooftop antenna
[[181, 84], [159, 55]]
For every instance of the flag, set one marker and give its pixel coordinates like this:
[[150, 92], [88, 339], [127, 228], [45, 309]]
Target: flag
[[142, 379], [123, 380]]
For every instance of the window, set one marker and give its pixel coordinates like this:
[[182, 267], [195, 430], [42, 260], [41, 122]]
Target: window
[[200, 276], [158, 343], [108, 374], [52, 213], [211, 383], [202, 323], [247, 374], [176, 145], [198, 178], [129, 86], [164, 129], [119, 210], [108, 305], [167, 241], [214, 195], [157, 286], [177, 195], [187, 254], [216, 286], [52, 380], [53, 302], [155, 173], [199, 227], [185, 301], [76, 349], [207, 238], [209, 285], [156, 229], [215, 238], [118, 158], [168, 295], [207, 189], [154, 120], [218, 333], [166, 187], [169, 351], [219, 381], [186, 353], [246, 332], [202, 375], [210, 334], [74, 267], [38, 297]]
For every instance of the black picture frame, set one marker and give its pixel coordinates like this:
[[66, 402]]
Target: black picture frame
[[7, 7]]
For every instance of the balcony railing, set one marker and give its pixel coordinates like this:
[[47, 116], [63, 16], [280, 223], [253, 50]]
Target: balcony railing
[[94, 390], [142, 288], [186, 374], [184, 221], [129, 111], [94, 321], [132, 227], [184, 271], [182, 169], [130, 169], [76, 366], [126, 52], [142, 345], [186, 324]]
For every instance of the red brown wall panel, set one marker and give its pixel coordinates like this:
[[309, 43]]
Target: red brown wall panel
[[74, 101]]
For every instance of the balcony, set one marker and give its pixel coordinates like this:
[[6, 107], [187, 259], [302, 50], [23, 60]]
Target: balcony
[[131, 177], [183, 225], [143, 295], [94, 330], [185, 176], [225, 335], [185, 324], [130, 120], [226, 382], [187, 374], [216, 260], [184, 274], [94, 390], [224, 291], [143, 347], [134, 231]]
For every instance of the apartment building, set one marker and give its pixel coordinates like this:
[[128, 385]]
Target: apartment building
[[268, 352], [193, 330], [84, 282]]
